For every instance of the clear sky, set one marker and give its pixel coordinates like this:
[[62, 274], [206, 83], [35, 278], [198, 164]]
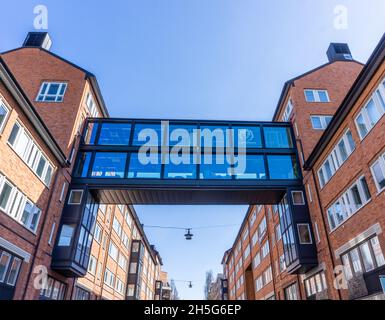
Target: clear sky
[[205, 59]]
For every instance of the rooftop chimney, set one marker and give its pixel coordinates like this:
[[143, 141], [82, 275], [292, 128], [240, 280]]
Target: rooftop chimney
[[339, 52], [38, 40]]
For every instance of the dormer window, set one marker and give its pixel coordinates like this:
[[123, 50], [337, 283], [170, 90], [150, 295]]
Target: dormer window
[[52, 92]]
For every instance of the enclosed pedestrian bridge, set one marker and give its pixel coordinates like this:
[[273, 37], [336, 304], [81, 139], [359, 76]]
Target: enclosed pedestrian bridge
[[184, 162], [187, 162]]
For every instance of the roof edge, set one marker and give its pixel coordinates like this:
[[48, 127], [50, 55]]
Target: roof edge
[[20, 96], [356, 90]]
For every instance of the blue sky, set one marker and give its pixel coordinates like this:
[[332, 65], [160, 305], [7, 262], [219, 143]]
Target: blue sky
[[206, 59]]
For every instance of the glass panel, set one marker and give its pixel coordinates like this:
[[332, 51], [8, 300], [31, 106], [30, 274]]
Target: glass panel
[[342, 150], [14, 271], [377, 252], [380, 99], [175, 170], [53, 88], [14, 133], [109, 165], [247, 136], [217, 168], [352, 145], [328, 119], [356, 196], [66, 235], [149, 134], [323, 96], [372, 111], [366, 257], [282, 167], [83, 165], [4, 263], [316, 122], [48, 175], [361, 126], [255, 168], [91, 132], [309, 94], [139, 168], [379, 175], [115, 134], [365, 188], [332, 223], [41, 166], [214, 136], [276, 137], [3, 114], [182, 135], [4, 195], [347, 268], [354, 255]]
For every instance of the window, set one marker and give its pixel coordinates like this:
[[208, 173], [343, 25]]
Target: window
[[109, 165], [365, 257], [62, 193], [316, 96], [53, 290], [115, 134], [317, 232], [304, 233], [51, 92], [113, 251], [18, 206], [262, 228], [253, 217], [9, 268], [309, 193], [119, 286], [278, 232], [75, 197], [369, 116], [122, 261], [66, 234], [265, 249], [27, 149], [91, 105], [287, 112], [291, 292], [249, 137], [92, 265], [267, 276], [255, 168], [349, 203], [125, 240], [259, 283], [336, 158], [51, 233], [283, 167], [378, 172], [116, 225], [277, 137], [3, 114], [320, 122], [315, 284], [98, 233], [81, 294], [109, 278], [298, 198], [246, 253]]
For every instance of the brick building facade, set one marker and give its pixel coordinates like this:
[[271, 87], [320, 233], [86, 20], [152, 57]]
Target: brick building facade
[[337, 115], [44, 100]]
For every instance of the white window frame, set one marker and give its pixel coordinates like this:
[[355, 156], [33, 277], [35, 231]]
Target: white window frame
[[81, 191], [381, 162], [335, 159], [58, 97], [302, 197], [307, 225], [345, 203], [322, 119], [288, 110], [7, 112], [316, 95], [31, 153]]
